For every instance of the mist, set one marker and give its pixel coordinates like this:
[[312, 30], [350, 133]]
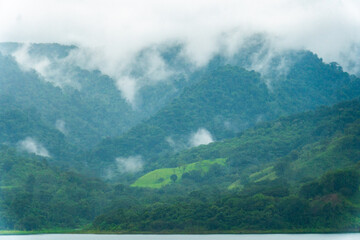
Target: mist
[[61, 126], [52, 71], [130, 164], [30, 145], [201, 137], [111, 34]]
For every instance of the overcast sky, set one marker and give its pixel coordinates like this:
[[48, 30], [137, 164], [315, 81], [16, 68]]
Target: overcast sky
[[113, 31]]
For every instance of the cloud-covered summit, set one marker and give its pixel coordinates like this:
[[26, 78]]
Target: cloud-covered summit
[[110, 34]]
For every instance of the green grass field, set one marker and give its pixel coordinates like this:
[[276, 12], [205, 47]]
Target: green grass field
[[161, 177], [265, 174]]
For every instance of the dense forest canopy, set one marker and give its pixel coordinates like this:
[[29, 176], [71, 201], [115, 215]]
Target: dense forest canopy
[[223, 147]]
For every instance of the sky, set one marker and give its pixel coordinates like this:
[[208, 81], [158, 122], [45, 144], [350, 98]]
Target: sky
[[110, 33]]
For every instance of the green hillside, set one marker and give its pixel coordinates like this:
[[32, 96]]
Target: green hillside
[[328, 204], [161, 177], [296, 174], [297, 148]]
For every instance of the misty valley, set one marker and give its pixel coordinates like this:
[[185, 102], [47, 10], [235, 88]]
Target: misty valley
[[261, 141]]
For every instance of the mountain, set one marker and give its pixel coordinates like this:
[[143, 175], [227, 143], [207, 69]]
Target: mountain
[[298, 148], [78, 112], [297, 174], [247, 142], [226, 101], [86, 105], [290, 174]]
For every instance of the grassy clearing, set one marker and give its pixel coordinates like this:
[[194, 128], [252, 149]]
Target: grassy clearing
[[161, 177], [236, 185], [265, 174]]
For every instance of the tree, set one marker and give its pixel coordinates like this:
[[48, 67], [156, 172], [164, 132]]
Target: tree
[[173, 177]]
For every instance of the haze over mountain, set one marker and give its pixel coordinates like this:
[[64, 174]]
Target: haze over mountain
[[228, 100], [180, 117]]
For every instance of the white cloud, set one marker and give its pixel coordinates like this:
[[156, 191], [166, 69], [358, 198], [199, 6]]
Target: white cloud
[[130, 164], [30, 145], [53, 72], [27, 63], [111, 33], [201, 137]]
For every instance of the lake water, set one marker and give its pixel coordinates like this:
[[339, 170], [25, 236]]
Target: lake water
[[350, 236]]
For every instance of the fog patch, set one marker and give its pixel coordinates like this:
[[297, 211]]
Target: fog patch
[[30, 145], [231, 126], [201, 137], [61, 126], [130, 164], [259, 118], [270, 60], [171, 142], [177, 144], [350, 60], [141, 68], [56, 71]]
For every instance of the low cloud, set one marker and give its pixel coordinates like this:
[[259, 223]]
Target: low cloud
[[141, 68], [56, 71], [111, 34], [177, 144], [130, 164], [30, 145], [61, 126], [201, 137]]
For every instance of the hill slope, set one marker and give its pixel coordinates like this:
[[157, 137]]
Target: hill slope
[[86, 103], [296, 148], [296, 174], [35, 195], [225, 102]]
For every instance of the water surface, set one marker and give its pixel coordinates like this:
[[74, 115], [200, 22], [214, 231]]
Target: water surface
[[349, 236]]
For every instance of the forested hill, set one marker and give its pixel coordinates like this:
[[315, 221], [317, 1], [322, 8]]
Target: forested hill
[[24, 130], [298, 174], [86, 114], [34, 194], [297, 148], [86, 103], [226, 101]]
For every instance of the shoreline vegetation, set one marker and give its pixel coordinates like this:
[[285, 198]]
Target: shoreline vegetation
[[176, 232]]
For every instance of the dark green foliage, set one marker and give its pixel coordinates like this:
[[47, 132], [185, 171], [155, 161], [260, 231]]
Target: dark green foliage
[[345, 182], [290, 149], [18, 124], [261, 209], [173, 177], [36, 196]]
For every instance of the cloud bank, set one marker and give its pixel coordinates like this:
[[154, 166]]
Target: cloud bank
[[30, 145], [111, 34]]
